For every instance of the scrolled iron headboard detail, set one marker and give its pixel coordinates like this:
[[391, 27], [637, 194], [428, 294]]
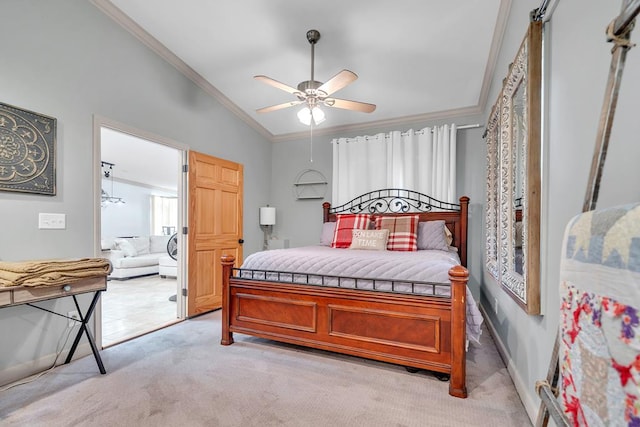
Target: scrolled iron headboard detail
[[393, 200]]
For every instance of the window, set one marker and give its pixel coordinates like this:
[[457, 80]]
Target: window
[[164, 215]]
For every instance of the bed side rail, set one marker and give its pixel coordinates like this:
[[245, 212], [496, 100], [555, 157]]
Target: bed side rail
[[413, 287]]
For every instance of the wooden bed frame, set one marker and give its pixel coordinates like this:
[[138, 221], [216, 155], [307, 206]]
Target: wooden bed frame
[[415, 331]]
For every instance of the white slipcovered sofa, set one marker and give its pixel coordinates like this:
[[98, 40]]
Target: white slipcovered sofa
[[134, 256]]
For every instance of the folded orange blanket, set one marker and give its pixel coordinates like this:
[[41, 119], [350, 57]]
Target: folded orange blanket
[[51, 272]]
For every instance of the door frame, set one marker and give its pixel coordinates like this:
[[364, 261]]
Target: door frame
[[98, 123]]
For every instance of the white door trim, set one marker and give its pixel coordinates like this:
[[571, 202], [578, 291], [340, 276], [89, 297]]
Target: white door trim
[[98, 123]]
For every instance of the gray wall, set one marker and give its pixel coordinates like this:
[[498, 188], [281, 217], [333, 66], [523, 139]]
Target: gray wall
[[577, 64], [132, 218], [301, 220], [79, 63], [66, 59]]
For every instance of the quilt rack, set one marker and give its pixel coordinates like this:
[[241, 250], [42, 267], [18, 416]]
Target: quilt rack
[[618, 32]]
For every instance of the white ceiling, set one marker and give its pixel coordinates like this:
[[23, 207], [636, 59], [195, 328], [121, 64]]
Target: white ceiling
[[139, 161], [416, 59]]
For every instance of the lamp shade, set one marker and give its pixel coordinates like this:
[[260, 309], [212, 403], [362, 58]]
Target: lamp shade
[[267, 215]]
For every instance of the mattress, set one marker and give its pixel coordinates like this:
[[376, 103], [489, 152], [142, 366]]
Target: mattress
[[393, 271]]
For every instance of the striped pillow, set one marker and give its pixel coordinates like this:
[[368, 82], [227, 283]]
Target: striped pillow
[[403, 231], [344, 224]]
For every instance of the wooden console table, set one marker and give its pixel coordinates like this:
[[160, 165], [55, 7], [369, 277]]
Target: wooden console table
[[24, 295]]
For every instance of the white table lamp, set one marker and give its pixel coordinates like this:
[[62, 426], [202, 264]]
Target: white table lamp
[[267, 221]]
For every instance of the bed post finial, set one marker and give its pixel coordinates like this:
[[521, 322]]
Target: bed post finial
[[325, 211], [227, 266], [459, 276]]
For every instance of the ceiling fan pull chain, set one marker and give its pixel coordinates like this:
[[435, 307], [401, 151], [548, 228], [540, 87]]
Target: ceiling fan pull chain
[[311, 142]]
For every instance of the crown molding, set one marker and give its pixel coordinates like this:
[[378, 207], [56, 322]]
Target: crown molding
[[154, 44], [398, 121], [496, 45], [113, 12]]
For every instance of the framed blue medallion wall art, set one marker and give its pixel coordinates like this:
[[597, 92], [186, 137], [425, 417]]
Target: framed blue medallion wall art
[[27, 151]]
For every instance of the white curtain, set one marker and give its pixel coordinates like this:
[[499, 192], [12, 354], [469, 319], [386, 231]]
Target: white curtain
[[423, 161]]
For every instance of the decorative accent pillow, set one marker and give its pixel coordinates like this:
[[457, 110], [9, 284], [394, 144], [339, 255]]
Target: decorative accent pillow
[[403, 231], [126, 247], [449, 235], [108, 243], [375, 240], [344, 224], [328, 230], [140, 244], [432, 235]]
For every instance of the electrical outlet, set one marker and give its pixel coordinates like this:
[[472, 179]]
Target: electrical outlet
[[495, 305], [74, 318]]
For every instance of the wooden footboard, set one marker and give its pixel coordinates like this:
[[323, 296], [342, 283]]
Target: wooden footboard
[[416, 331]]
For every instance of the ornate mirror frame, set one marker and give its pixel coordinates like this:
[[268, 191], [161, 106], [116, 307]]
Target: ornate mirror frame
[[491, 213], [516, 177]]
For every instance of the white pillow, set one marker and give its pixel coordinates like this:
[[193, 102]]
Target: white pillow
[[108, 243], [158, 243], [141, 245], [374, 240], [431, 235], [126, 247], [328, 230]]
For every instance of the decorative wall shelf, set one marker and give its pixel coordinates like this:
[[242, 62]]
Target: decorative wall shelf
[[310, 184]]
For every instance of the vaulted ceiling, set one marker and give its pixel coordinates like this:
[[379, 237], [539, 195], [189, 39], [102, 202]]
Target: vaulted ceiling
[[416, 60]]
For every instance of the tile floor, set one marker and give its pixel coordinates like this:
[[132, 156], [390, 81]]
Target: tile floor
[[133, 307]]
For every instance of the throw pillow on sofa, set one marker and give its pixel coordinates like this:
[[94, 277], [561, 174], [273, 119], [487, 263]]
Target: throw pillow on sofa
[[125, 246], [141, 245]]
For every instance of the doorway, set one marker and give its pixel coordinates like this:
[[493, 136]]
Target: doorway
[[141, 187]]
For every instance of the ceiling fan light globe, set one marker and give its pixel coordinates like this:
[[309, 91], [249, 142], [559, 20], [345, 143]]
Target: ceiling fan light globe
[[305, 115], [318, 115]]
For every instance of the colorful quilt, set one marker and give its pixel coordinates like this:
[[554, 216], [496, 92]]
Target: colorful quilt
[[599, 318]]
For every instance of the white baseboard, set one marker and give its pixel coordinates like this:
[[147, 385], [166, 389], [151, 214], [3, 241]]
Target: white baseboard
[[33, 367], [529, 400]]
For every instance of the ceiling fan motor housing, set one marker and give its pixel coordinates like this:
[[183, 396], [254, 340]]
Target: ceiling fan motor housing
[[310, 87], [313, 36]]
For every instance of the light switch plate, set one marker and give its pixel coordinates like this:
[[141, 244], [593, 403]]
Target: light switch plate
[[52, 221]]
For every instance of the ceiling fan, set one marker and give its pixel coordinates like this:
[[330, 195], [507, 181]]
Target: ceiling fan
[[313, 93]]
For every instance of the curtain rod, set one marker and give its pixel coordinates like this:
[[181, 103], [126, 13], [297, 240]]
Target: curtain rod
[[476, 125], [461, 127], [421, 131]]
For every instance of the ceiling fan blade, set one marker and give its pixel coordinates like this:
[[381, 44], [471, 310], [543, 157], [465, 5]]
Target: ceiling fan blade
[[337, 82], [349, 105], [277, 84], [279, 106]]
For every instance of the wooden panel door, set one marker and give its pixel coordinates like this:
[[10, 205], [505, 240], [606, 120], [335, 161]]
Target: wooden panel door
[[215, 227]]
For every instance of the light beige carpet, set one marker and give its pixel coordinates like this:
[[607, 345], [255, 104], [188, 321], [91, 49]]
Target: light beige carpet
[[182, 376]]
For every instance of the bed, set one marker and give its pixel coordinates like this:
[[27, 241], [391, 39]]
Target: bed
[[318, 297]]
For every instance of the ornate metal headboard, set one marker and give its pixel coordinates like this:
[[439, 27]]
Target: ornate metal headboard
[[394, 201]]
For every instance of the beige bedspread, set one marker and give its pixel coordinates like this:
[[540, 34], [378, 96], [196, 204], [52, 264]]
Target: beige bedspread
[[51, 272]]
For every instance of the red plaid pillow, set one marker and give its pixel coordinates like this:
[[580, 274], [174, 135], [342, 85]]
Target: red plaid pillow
[[403, 231], [344, 224]]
